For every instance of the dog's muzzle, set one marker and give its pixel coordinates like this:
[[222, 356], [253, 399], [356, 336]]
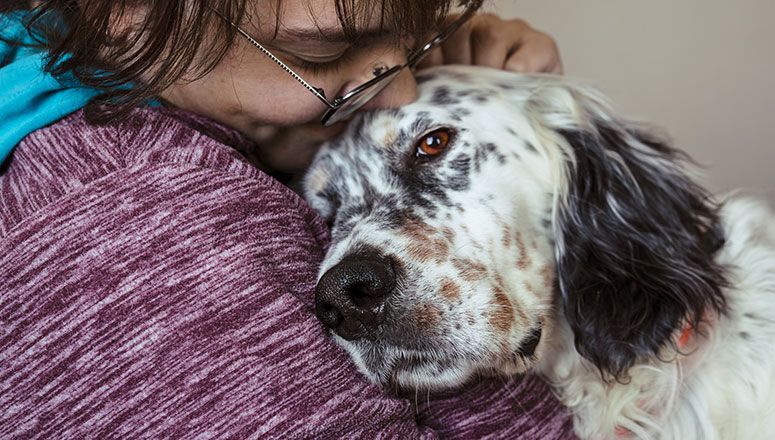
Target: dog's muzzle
[[350, 298]]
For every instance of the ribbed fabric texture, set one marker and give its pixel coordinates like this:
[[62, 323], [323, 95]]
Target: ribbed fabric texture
[[153, 284]]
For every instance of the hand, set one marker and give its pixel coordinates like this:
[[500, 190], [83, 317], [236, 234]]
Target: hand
[[488, 40]]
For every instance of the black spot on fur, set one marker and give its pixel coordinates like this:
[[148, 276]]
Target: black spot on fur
[[481, 97], [422, 188], [443, 97], [420, 124], [385, 211], [486, 152], [458, 176]]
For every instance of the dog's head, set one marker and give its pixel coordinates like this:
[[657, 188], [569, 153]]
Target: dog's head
[[466, 223]]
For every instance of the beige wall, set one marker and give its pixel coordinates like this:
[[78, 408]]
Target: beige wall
[[702, 69]]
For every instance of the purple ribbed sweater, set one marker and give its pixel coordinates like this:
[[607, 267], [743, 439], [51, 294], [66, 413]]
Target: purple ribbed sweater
[[153, 284]]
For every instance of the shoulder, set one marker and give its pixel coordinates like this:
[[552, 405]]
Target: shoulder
[[161, 283], [177, 149], [149, 189]]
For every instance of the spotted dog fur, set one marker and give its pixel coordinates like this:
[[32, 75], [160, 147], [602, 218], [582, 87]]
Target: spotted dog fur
[[550, 236]]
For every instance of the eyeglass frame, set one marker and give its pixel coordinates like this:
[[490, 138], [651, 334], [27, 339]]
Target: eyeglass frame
[[339, 102]]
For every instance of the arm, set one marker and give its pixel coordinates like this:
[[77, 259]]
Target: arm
[[161, 292]]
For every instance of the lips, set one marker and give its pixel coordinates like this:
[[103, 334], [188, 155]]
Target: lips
[[325, 133], [411, 362], [528, 347]]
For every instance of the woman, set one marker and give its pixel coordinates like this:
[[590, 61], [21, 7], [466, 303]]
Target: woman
[[153, 282]]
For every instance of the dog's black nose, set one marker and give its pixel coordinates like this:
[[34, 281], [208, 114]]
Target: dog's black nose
[[350, 297]]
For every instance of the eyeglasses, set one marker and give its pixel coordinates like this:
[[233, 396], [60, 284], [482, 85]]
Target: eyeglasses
[[343, 106]]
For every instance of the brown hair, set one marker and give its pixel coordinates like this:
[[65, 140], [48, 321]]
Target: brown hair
[[79, 37]]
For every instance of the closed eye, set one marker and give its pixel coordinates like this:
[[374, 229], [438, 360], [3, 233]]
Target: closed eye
[[331, 65], [315, 63]]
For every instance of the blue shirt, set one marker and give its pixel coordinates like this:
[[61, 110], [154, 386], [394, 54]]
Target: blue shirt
[[29, 97]]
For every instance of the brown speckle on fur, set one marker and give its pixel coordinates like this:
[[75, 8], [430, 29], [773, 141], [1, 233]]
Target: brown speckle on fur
[[389, 138], [507, 233], [498, 279], [470, 270], [523, 262], [448, 234], [426, 317], [425, 244], [546, 274], [502, 315], [450, 289]]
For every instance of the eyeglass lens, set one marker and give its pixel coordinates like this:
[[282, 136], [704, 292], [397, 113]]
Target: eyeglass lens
[[357, 98]]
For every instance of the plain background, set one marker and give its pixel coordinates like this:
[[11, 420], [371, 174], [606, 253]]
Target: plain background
[[703, 70]]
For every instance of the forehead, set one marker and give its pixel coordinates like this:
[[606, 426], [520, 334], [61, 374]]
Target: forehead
[[372, 169], [316, 21], [459, 100], [479, 105], [384, 141]]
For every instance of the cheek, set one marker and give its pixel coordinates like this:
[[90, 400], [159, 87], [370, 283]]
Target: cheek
[[245, 92], [505, 276]]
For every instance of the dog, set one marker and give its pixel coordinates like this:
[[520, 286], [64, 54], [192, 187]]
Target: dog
[[507, 223]]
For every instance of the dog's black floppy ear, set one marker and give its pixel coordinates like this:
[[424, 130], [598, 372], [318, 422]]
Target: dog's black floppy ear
[[636, 242]]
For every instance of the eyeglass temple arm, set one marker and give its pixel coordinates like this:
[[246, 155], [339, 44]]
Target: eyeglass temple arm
[[317, 91], [462, 18]]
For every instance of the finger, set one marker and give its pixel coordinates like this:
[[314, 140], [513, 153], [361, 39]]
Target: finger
[[457, 48], [433, 58], [492, 40], [558, 68], [538, 53], [551, 50]]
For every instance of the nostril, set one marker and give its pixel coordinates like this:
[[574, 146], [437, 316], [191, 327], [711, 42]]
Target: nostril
[[365, 297], [328, 315], [350, 297]]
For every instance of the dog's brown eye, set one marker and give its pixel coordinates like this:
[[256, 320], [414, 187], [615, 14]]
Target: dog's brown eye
[[434, 142]]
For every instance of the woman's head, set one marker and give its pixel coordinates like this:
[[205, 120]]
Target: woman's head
[[250, 89], [184, 52]]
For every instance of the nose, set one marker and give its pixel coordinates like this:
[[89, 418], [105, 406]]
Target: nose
[[401, 91], [350, 297]]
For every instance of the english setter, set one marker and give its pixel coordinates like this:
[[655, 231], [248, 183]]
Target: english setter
[[507, 223]]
